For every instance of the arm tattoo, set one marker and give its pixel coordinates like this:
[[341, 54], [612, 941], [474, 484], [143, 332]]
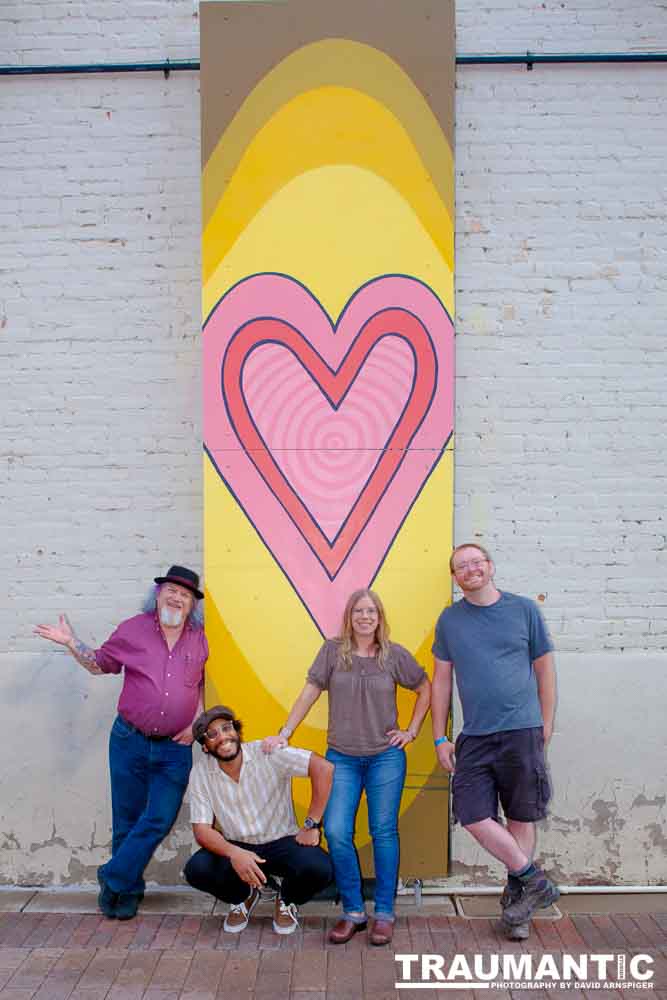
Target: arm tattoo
[[85, 656]]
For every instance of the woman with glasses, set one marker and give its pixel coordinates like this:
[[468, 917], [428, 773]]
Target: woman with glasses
[[360, 670]]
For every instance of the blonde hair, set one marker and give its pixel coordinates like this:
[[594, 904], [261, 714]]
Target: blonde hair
[[346, 637]]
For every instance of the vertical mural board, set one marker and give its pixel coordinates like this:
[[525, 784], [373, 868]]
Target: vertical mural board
[[328, 287]]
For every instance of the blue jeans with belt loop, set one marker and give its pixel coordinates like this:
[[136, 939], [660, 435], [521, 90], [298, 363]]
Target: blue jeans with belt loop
[[148, 781], [382, 777]]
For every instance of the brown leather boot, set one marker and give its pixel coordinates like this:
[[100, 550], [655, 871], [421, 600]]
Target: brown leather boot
[[345, 929], [382, 932]]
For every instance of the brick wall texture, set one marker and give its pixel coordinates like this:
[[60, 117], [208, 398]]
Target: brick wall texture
[[561, 278]]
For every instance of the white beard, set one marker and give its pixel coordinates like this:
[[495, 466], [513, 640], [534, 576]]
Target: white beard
[[171, 617]]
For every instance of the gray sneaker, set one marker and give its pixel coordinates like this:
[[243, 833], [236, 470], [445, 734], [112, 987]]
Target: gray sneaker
[[537, 892], [521, 931]]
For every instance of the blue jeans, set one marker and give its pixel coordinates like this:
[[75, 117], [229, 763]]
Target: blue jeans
[[382, 777], [148, 780]]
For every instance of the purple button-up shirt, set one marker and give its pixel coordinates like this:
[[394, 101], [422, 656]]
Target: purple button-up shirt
[[160, 686]]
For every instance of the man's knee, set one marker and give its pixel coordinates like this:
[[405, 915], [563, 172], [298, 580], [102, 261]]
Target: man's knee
[[520, 827], [199, 872], [309, 874], [317, 868], [192, 871], [162, 821], [480, 826]]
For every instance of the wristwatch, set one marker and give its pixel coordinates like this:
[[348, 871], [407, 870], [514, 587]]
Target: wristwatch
[[312, 824]]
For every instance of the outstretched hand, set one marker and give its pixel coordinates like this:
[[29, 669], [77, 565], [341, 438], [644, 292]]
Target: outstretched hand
[[61, 633]]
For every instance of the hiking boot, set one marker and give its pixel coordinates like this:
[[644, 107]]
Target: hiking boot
[[285, 917], [509, 895], [521, 931], [537, 892], [239, 913]]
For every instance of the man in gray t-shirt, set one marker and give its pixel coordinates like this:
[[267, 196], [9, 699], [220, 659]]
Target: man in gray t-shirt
[[499, 648]]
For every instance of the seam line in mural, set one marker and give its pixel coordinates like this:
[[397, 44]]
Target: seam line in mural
[[277, 561]]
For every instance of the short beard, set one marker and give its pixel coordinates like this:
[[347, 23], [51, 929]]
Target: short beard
[[228, 760], [171, 617]]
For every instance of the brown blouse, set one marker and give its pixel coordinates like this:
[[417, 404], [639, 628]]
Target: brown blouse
[[362, 701]]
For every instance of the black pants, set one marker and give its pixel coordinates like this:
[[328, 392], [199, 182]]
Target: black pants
[[305, 871]]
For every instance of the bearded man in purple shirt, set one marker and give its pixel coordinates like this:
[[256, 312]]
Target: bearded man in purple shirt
[[162, 655]]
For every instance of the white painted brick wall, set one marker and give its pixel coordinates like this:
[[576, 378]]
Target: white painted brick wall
[[561, 412], [561, 360]]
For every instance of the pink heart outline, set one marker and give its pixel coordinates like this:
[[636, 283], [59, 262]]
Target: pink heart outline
[[261, 455], [331, 344]]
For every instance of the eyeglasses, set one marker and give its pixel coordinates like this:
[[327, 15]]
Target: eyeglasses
[[212, 734], [471, 564]]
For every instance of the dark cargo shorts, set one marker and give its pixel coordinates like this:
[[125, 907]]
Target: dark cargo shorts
[[505, 766]]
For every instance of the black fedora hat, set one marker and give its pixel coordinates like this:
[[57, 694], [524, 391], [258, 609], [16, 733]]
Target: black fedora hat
[[184, 578]]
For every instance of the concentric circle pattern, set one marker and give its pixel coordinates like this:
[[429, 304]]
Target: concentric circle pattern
[[327, 454]]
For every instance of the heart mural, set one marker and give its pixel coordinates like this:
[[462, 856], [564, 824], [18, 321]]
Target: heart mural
[[326, 433]]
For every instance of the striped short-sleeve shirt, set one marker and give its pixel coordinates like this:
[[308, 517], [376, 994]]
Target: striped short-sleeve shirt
[[258, 808]]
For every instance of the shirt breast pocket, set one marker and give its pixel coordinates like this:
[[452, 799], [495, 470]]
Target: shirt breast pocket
[[193, 671]]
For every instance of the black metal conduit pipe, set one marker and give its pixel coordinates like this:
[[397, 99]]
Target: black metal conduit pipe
[[167, 66]]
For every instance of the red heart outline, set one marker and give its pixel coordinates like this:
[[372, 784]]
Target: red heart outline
[[335, 386]]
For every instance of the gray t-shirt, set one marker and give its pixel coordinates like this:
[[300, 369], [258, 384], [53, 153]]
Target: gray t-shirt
[[362, 701], [492, 649]]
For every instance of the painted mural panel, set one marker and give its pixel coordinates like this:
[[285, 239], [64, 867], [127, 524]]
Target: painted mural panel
[[327, 279]]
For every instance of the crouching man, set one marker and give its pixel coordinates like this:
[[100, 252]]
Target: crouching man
[[247, 795]]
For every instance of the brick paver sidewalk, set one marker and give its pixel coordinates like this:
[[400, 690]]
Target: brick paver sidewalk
[[55, 956]]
